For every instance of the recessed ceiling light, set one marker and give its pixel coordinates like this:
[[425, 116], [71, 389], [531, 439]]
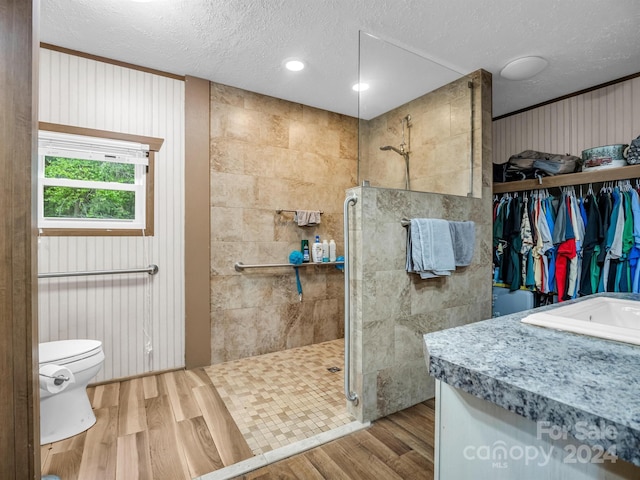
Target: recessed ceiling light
[[360, 87], [523, 68], [294, 65]]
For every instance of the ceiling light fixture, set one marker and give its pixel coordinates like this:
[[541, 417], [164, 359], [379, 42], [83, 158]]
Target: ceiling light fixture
[[523, 68], [294, 65], [360, 87]]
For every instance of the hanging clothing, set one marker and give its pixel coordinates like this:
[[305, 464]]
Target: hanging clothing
[[578, 229], [634, 254], [623, 272], [550, 216], [499, 241], [614, 244], [512, 257], [566, 252], [591, 246], [605, 206], [569, 245], [526, 238], [537, 250], [564, 236]]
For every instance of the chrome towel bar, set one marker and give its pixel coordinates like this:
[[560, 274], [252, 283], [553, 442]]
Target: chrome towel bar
[[151, 270]]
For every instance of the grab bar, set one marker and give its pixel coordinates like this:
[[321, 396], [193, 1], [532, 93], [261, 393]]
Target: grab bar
[[239, 266], [471, 139], [151, 270], [280, 210], [351, 396]]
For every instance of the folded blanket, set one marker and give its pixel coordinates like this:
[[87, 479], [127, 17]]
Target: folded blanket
[[307, 218], [463, 238], [429, 248]]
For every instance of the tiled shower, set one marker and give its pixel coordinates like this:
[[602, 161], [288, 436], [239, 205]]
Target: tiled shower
[[267, 155], [391, 309]]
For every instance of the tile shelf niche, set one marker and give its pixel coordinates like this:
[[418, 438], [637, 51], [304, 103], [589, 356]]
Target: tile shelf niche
[[580, 178]]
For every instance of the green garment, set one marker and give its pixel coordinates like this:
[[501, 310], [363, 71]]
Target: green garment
[[627, 231], [594, 268]]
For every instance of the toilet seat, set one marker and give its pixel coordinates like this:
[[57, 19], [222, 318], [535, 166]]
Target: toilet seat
[[63, 352]]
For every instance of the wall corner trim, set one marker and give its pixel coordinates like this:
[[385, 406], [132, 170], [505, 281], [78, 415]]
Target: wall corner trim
[[197, 224]]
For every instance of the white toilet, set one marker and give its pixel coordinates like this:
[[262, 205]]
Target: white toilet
[[67, 412]]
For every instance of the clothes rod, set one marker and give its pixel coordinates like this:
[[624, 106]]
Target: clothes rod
[[151, 270], [239, 266]]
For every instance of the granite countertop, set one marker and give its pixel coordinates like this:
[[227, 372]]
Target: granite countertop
[[546, 375]]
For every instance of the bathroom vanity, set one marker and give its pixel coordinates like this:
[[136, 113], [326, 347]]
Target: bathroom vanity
[[521, 401]]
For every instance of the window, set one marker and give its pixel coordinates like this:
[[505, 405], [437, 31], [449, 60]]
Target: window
[[92, 185]]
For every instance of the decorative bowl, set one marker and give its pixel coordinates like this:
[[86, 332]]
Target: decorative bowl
[[605, 156]]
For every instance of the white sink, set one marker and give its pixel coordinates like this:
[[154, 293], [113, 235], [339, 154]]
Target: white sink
[[603, 317]]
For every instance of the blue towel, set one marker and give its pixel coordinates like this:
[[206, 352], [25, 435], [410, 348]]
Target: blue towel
[[429, 248], [463, 238]]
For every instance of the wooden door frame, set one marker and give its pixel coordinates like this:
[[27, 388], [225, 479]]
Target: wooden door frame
[[197, 227], [19, 397]]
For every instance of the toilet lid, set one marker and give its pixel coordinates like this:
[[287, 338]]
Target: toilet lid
[[67, 351]]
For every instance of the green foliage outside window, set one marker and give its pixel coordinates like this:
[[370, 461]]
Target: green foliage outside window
[[71, 202]]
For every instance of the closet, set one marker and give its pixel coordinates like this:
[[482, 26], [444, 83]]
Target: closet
[[567, 236]]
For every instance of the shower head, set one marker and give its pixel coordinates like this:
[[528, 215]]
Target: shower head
[[389, 147]]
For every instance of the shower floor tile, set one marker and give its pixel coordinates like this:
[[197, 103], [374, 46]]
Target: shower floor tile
[[283, 397]]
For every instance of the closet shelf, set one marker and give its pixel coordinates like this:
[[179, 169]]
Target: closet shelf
[[580, 178]]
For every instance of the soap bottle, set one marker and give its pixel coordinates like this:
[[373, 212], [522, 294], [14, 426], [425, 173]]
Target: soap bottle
[[305, 251], [316, 250], [332, 251], [325, 250]]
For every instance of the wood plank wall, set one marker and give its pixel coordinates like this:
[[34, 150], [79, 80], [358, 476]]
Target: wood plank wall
[[604, 116], [18, 315], [121, 311]]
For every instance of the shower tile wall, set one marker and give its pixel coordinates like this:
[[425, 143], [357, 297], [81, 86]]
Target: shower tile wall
[[392, 309], [439, 140], [269, 154]]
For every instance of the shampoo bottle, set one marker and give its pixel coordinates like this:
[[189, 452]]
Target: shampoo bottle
[[305, 251], [325, 251], [332, 251], [316, 250]]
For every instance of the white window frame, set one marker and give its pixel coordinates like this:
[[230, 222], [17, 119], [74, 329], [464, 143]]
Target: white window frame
[[98, 149]]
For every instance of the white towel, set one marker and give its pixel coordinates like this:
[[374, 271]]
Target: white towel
[[429, 248], [307, 218]]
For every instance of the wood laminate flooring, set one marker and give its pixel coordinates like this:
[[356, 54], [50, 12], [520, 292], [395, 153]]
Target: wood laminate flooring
[[169, 426], [397, 447], [175, 426]]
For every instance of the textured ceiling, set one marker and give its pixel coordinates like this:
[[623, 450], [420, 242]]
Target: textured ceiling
[[243, 43]]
